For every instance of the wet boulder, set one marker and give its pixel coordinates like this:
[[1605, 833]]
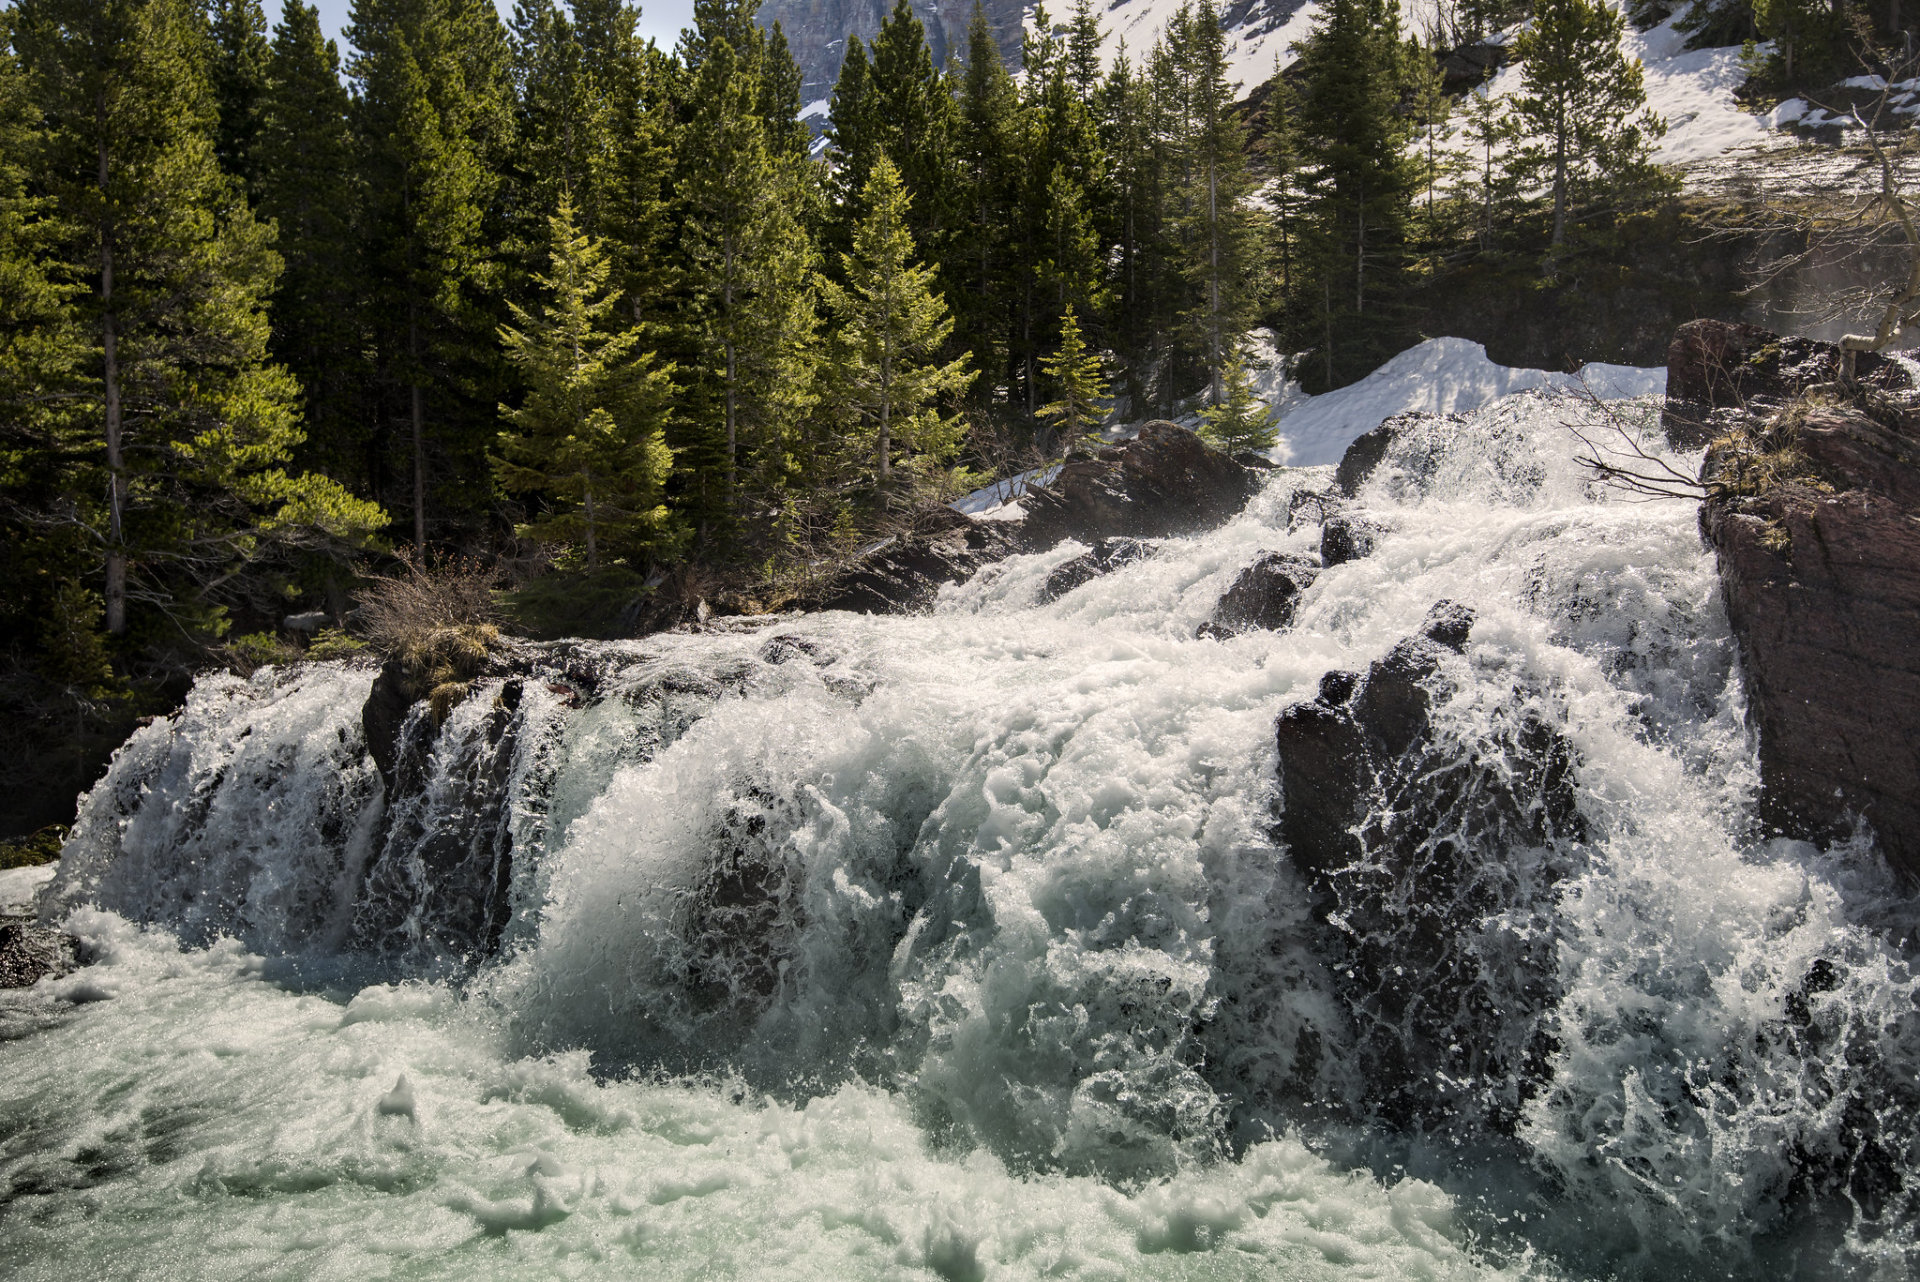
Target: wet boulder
[[1263, 597], [1345, 537], [1165, 481], [30, 953], [1432, 856], [1106, 556], [904, 573]]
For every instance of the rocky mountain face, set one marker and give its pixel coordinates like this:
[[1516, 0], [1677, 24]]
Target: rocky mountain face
[[817, 31], [1814, 509]]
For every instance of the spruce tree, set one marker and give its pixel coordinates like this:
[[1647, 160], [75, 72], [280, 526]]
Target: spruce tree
[[432, 122], [988, 162], [42, 354], [750, 267], [1240, 421], [239, 74], [309, 184], [1083, 403], [589, 436], [187, 427], [1359, 180], [1582, 107], [891, 325]]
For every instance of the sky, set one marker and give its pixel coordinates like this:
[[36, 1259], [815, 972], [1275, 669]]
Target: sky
[[661, 19]]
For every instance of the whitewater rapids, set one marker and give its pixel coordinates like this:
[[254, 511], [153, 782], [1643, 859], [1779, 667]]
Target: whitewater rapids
[[961, 946]]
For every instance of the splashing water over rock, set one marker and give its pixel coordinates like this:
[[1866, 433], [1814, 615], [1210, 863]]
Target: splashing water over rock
[[1032, 935]]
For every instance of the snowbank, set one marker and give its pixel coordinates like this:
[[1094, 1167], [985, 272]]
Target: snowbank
[[1439, 376]]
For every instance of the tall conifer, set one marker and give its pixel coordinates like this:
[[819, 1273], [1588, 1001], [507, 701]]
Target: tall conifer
[[186, 426], [310, 184], [891, 325], [432, 124], [589, 436], [1582, 106]]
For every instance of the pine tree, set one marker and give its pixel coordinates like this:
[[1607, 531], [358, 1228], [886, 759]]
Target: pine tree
[[309, 184], [1490, 186], [1239, 422], [1083, 404], [589, 436], [1221, 231], [432, 123], [1360, 181], [891, 326], [42, 352], [1133, 206], [240, 56], [1582, 107], [750, 264], [1083, 50], [987, 159], [193, 425]]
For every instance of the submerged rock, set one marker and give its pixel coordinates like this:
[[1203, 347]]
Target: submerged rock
[[1819, 551], [30, 953], [1106, 556], [1263, 597]]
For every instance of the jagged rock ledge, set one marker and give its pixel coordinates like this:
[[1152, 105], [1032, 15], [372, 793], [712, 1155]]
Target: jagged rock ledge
[[1814, 512]]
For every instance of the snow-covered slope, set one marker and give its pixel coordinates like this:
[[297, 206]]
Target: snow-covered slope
[[1439, 376]]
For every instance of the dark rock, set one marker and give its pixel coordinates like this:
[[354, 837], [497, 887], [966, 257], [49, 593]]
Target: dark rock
[[789, 646], [1364, 455], [1432, 863], [1312, 507], [383, 718], [1258, 462], [1106, 556], [1820, 572], [1166, 481], [906, 574], [30, 953], [1449, 623], [1469, 66], [1345, 538], [1724, 365], [1264, 596]]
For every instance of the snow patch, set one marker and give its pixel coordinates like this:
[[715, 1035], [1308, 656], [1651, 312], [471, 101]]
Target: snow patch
[[1439, 376]]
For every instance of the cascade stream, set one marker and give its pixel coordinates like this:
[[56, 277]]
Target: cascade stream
[[970, 944]]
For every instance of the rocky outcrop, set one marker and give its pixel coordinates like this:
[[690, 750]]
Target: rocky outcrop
[[1163, 482], [905, 574], [1432, 863], [1106, 556], [1263, 597], [1720, 368], [1814, 512], [817, 32]]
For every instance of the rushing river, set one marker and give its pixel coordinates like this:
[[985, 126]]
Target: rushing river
[[963, 946]]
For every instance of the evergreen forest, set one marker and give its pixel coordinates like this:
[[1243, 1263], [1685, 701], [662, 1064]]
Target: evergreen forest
[[613, 323]]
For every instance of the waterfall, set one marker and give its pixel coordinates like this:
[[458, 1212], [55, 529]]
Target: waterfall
[[975, 942]]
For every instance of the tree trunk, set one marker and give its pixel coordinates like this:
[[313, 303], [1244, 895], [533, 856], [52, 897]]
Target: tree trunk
[[593, 559], [116, 587], [1560, 180], [418, 399]]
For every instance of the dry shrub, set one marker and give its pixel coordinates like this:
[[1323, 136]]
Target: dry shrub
[[1761, 459], [399, 611], [439, 621]]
